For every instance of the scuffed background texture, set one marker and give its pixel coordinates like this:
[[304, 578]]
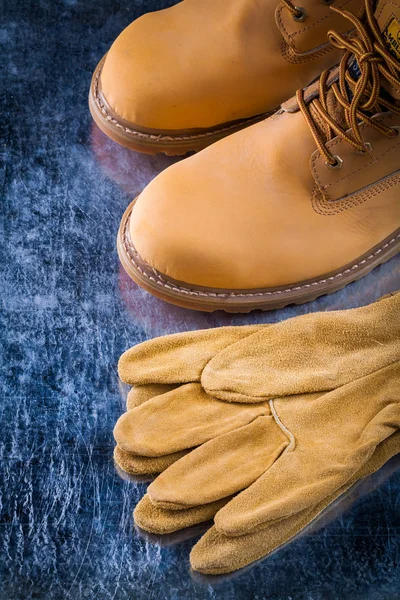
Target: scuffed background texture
[[67, 313]]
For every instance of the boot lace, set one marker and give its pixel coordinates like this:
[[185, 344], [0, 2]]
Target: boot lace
[[360, 98]]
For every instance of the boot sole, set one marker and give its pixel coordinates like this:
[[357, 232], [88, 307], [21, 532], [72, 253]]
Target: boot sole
[[243, 301], [151, 141]]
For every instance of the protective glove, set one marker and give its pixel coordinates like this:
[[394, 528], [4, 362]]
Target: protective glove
[[311, 445], [302, 354], [277, 506], [161, 365], [216, 553], [357, 357]]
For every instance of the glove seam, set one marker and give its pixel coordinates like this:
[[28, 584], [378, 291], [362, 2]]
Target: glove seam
[[284, 429]]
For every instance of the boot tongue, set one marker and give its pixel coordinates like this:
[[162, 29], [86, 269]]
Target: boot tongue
[[387, 15], [391, 34], [388, 19], [335, 110]]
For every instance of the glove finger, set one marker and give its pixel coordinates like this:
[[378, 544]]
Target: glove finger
[[161, 521], [143, 465], [141, 393], [221, 467], [321, 459], [179, 420], [310, 353], [216, 553], [178, 358]]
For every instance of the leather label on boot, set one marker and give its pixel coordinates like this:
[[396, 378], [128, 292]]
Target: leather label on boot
[[392, 37]]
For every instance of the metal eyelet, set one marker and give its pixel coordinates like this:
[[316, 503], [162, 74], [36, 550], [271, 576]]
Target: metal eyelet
[[327, 2], [336, 165], [300, 15], [396, 128], [368, 149]]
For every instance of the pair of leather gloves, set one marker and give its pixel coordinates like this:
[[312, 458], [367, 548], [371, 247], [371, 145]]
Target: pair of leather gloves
[[259, 428]]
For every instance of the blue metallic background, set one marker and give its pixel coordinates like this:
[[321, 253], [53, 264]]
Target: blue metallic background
[[67, 313]]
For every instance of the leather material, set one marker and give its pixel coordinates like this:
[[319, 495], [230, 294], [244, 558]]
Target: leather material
[[271, 425], [317, 23], [358, 170], [205, 62], [384, 13], [249, 212]]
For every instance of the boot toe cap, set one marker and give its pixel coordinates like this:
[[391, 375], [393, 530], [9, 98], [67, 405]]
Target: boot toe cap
[[130, 76], [175, 231]]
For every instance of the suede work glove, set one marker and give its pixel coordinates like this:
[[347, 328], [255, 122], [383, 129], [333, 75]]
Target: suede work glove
[[216, 553], [168, 362], [296, 356], [292, 436]]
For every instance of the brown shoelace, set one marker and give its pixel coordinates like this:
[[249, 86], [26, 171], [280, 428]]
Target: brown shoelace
[[356, 96]]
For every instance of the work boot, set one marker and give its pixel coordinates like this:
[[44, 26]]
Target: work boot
[[179, 79], [288, 209]]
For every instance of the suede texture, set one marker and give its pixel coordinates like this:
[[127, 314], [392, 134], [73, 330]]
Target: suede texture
[[216, 553], [267, 427]]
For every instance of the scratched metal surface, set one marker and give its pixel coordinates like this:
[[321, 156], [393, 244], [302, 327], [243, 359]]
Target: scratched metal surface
[[67, 313]]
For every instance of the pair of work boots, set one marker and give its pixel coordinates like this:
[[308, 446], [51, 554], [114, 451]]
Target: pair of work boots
[[298, 199]]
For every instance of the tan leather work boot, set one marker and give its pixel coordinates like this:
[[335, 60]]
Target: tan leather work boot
[[288, 209], [181, 78]]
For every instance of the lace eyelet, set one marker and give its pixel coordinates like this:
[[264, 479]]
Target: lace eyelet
[[396, 130], [336, 165], [368, 149], [301, 14], [327, 2]]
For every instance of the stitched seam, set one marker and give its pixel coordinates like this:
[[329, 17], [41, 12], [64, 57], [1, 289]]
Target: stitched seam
[[167, 284], [324, 206], [168, 138], [292, 35], [332, 145], [376, 158], [295, 58], [286, 431]]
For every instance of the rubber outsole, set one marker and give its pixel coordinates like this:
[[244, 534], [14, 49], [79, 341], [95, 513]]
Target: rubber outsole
[[150, 141], [243, 301]]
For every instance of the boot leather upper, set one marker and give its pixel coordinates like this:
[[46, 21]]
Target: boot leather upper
[[261, 209], [201, 63]]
